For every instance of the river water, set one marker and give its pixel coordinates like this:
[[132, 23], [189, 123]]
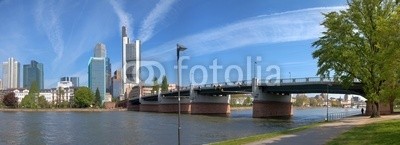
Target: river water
[[141, 127]]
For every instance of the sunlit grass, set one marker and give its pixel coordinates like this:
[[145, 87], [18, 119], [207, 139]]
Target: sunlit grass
[[387, 132], [260, 137]]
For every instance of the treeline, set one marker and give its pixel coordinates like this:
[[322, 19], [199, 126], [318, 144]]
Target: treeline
[[83, 98]]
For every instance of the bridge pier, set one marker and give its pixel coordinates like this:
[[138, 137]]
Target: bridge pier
[[170, 105], [211, 105], [266, 105]]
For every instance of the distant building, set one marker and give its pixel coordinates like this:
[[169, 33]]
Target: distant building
[[100, 50], [74, 80], [130, 64], [1, 85], [11, 78], [64, 91], [97, 71], [33, 73], [108, 76], [116, 84]]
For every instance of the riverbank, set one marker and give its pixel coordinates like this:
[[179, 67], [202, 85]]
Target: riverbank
[[239, 108], [325, 131], [62, 110]]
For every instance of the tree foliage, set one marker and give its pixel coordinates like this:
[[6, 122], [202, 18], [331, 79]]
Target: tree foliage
[[164, 84], [83, 97], [362, 43], [31, 100], [156, 86], [97, 101], [10, 100]]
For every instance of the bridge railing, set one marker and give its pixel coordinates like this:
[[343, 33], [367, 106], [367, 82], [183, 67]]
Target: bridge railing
[[273, 82], [340, 115], [300, 81]]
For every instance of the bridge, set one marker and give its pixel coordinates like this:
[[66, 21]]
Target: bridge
[[271, 97]]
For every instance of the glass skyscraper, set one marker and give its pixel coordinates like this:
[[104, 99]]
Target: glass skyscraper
[[97, 71], [11, 70], [33, 73]]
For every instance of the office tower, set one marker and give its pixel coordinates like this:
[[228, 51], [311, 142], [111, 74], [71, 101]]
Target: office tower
[[100, 50], [116, 83], [97, 71], [130, 63], [11, 76], [74, 80], [33, 73], [108, 76]]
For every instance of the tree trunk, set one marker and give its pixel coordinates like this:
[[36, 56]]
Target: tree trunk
[[375, 110]]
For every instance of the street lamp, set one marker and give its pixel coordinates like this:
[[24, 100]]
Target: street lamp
[[327, 100], [179, 48]]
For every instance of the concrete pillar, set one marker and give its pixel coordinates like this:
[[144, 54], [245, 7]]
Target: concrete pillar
[[169, 104], [267, 105], [149, 106], [211, 105]]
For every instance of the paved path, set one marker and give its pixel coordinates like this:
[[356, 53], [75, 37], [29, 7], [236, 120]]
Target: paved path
[[323, 133]]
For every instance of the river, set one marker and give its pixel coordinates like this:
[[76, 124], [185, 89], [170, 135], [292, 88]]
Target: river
[[128, 127]]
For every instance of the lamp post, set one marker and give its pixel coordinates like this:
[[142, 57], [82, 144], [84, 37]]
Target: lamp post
[[179, 48], [327, 100]]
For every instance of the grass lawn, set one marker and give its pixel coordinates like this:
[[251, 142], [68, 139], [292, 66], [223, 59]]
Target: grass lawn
[[386, 132], [260, 137]]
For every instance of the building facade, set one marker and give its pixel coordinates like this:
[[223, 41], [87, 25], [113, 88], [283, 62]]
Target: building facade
[[11, 77], [33, 73], [116, 84], [97, 72], [74, 80], [130, 63]]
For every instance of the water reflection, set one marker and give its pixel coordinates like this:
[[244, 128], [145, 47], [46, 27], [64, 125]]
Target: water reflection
[[140, 127]]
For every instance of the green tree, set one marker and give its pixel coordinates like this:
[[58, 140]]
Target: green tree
[[10, 100], [83, 97], [301, 101], [313, 102], [362, 43], [247, 101], [98, 98], [31, 100], [164, 84], [156, 86], [42, 102]]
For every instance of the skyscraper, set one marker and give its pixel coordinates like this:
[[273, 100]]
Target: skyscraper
[[130, 63], [33, 73], [100, 50], [74, 80], [11, 76], [97, 71], [108, 75]]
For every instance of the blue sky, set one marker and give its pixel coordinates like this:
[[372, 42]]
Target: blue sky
[[62, 34]]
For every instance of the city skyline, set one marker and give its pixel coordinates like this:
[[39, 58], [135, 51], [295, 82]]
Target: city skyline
[[280, 34]]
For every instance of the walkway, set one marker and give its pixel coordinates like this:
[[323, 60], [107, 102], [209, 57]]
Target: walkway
[[323, 133]]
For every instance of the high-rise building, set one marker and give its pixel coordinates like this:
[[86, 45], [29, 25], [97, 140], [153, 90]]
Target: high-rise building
[[33, 73], [130, 63], [116, 84], [100, 50], [97, 72], [74, 80], [1, 85], [11, 76], [108, 75]]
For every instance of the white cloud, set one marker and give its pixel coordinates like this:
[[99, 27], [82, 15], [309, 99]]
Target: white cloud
[[48, 20], [154, 17], [125, 19], [288, 26]]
